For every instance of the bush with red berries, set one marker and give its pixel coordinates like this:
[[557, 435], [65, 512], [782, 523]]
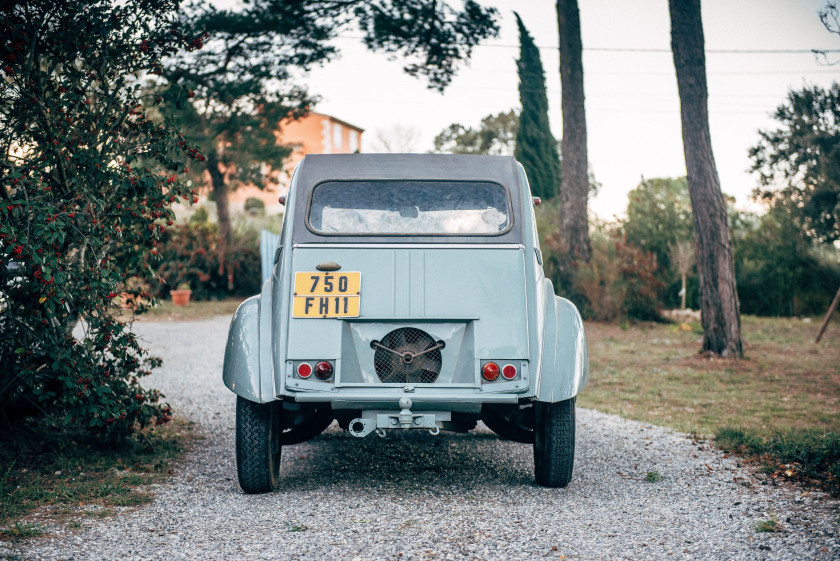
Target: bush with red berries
[[193, 254], [87, 179]]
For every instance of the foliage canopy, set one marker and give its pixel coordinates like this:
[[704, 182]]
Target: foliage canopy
[[536, 147], [247, 79], [86, 182], [658, 216], [496, 136], [798, 163]]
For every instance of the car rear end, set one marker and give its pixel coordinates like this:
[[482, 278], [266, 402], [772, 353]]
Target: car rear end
[[408, 300], [407, 292], [429, 320]]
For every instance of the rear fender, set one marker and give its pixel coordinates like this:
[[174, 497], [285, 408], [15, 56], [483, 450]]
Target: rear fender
[[241, 371], [564, 369]]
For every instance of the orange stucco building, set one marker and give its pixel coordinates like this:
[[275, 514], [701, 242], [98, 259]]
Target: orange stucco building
[[315, 133]]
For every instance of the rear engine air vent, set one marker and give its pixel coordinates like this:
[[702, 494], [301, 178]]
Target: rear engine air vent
[[407, 355]]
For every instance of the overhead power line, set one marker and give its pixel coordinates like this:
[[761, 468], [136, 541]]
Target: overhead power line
[[715, 51], [651, 50], [646, 50]]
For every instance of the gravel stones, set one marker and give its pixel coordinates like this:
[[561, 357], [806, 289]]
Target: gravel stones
[[416, 496]]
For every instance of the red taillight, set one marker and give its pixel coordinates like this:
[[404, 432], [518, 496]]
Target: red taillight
[[490, 371], [304, 370], [509, 372], [323, 370]]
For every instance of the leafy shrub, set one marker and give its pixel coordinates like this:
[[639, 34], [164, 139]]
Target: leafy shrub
[[192, 253], [86, 181], [547, 216], [254, 206], [619, 280], [639, 270], [659, 216], [779, 271], [200, 216], [600, 281]]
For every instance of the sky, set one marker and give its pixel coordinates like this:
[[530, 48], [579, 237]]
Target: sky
[[632, 105]]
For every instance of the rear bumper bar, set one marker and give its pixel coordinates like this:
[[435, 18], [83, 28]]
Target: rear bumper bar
[[346, 398]]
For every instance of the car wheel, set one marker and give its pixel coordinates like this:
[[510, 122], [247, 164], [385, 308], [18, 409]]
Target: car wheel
[[258, 445], [554, 442]]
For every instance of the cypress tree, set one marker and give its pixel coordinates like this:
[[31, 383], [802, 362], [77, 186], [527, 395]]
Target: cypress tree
[[536, 147]]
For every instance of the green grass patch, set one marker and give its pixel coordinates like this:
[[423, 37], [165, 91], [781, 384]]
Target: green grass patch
[[653, 476], [21, 530], [795, 454], [99, 513], [40, 468], [296, 527], [784, 395], [772, 524], [194, 311]]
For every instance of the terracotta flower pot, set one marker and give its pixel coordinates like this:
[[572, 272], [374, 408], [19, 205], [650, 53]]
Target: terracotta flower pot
[[180, 297]]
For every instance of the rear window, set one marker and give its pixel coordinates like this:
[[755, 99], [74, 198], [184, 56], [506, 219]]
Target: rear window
[[410, 208]]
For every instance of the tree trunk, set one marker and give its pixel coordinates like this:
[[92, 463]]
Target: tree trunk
[[574, 190], [682, 301], [220, 194], [719, 308]]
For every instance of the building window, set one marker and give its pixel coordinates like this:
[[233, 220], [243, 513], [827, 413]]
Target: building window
[[326, 137], [337, 136]]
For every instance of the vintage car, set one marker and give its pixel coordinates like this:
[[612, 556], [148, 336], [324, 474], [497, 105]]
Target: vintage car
[[407, 292]]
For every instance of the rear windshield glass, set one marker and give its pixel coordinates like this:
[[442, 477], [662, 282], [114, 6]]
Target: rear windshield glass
[[410, 207]]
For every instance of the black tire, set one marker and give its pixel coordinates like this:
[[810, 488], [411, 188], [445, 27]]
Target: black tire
[[258, 446], [511, 423], [554, 443]]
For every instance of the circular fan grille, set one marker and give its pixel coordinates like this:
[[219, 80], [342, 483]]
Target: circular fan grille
[[407, 355]]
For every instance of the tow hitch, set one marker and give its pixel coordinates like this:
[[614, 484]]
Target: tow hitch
[[379, 421]]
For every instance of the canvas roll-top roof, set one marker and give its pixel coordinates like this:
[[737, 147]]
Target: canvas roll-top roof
[[316, 169]]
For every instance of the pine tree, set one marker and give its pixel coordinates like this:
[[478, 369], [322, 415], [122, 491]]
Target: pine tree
[[575, 185], [536, 147], [719, 307]]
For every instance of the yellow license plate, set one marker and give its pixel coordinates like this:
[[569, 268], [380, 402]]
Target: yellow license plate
[[327, 295]]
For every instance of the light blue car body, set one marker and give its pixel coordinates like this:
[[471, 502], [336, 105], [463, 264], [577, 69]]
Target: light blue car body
[[486, 298]]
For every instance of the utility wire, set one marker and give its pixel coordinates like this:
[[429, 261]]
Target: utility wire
[[715, 51], [647, 50]]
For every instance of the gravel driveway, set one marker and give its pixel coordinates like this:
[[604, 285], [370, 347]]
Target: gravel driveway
[[417, 496]]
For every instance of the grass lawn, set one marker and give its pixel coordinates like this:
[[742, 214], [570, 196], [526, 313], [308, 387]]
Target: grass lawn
[[783, 395], [60, 471], [166, 311], [653, 372]]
